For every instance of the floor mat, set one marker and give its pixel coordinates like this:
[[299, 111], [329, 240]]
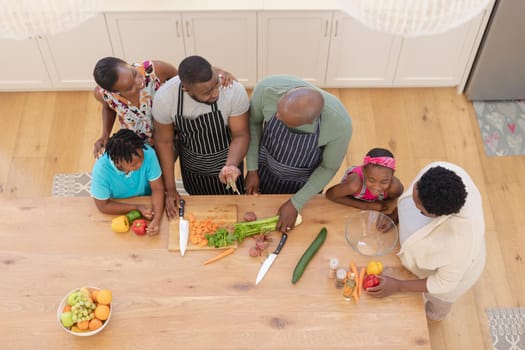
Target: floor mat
[[507, 327], [502, 126], [79, 184], [71, 185]]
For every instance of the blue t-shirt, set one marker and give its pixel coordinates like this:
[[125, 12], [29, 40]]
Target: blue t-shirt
[[110, 182]]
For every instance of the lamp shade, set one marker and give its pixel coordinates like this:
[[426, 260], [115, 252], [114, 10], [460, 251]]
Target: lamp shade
[[22, 19], [411, 18]]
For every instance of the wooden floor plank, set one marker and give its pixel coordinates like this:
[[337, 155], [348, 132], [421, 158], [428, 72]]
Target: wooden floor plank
[[52, 132], [12, 106]]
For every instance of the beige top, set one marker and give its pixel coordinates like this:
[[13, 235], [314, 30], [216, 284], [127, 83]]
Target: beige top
[[449, 250]]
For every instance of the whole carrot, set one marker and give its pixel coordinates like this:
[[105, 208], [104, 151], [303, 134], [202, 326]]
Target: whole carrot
[[220, 256], [361, 279]]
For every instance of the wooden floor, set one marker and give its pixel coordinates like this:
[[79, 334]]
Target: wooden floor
[[53, 132]]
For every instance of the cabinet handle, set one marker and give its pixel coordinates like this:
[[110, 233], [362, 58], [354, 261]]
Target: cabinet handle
[[326, 29], [336, 28], [178, 29], [187, 29]]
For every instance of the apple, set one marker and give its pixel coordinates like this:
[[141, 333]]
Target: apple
[[67, 319]]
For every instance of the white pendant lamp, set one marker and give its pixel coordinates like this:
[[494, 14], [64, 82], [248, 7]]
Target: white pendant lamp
[[412, 18], [22, 19]]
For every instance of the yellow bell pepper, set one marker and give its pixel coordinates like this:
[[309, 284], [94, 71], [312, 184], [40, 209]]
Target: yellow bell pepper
[[120, 224], [374, 268]]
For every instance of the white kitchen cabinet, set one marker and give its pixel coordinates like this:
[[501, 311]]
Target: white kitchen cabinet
[[437, 60], [227, 39], [71, 56], [137, 36], [23, 66], [63, 61], [295, 43], [360, 56]]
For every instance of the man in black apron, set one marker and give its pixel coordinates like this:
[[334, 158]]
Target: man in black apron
[[299, 136], [211, 125]]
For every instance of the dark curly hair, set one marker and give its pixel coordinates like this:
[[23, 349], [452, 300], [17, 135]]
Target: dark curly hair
[[194, 70], [123, 144], [105, 72], [441, 191]]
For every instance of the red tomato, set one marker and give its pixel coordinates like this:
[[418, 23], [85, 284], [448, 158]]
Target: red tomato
[[139, 227]]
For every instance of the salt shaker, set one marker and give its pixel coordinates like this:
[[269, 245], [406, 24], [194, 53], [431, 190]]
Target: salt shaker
[[334, 264]]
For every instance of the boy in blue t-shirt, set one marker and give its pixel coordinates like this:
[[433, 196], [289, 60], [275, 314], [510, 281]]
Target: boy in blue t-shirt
[[128, 168]]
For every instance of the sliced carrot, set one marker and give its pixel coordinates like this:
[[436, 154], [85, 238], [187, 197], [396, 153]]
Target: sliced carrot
[[199, 229], [361, 279], [220, 256]]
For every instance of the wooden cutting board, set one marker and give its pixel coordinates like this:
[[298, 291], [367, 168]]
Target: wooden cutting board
[[224, 214]]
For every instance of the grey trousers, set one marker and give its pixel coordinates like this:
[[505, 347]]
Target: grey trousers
[[436, 309]]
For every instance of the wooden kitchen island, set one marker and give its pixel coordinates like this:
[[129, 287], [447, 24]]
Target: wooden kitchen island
[[49, 246]]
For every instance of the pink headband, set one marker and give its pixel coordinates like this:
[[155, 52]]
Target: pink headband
[[388, 162]]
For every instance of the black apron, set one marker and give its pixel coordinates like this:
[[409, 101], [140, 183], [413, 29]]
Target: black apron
[[286, 158], [203, 149]]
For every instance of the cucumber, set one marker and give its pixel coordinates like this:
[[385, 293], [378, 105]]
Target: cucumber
[[308, 255]]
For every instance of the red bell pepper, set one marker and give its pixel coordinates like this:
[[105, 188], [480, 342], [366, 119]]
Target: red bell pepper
[[139, 227], [370, 281]]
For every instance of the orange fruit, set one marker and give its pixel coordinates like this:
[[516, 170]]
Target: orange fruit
[[102, 312], [83, 325], [94, 294], [66, 308], [77, 330], [95, 324], [104, 296]]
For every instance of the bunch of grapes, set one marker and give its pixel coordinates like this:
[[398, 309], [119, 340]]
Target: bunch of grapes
[[82, 308]]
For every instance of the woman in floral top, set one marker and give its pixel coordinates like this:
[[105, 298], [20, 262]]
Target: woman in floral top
[[127, 90]]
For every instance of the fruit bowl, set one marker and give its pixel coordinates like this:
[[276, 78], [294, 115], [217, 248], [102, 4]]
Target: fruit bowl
[[364, 236], [102, 310]]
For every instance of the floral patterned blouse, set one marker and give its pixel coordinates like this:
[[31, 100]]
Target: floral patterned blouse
[[139, 119]]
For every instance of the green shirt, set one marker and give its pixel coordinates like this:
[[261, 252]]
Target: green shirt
[[334, 136]]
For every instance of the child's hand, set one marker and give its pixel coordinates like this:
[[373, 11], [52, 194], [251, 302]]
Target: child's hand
[[377, 206], [153, 227], [383, 223], [146, 212]]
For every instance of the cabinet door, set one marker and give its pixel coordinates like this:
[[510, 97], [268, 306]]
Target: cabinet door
[[359, 56], [23, 66], [225, 39], [71, 56], [437, 60], [137, 37], [294, 43]]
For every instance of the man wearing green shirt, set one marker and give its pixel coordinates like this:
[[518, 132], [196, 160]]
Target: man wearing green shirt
[[299, 137]]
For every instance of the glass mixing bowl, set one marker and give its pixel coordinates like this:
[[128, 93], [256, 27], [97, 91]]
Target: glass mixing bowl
[[371, 233]]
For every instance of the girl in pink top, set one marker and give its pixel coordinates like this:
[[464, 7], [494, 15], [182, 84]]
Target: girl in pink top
[[371, 186]]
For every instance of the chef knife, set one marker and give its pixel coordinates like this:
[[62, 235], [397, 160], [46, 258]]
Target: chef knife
[[270, 259], [183, 228]]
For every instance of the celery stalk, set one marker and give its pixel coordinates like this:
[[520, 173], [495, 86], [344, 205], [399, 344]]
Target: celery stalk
[[250, 228]]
